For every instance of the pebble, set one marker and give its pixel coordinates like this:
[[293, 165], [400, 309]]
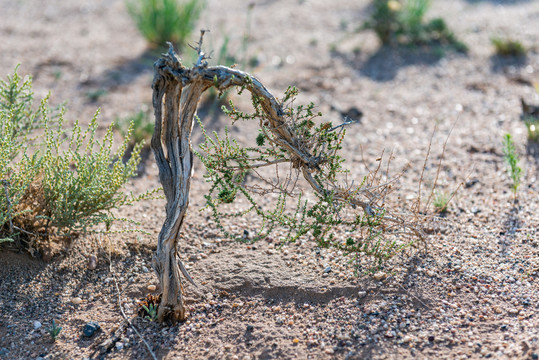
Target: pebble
[[152, 288], [327, 270], [76, 300], [406, 339], [119, 345], [92, 262], [361, 294], [513, 311], [145, 269], [91, 328], [379, 276], [37, 324]]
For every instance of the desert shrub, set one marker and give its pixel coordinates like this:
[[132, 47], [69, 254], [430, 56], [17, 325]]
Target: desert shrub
[[508, 47], [403, 23], [55, 181], [327, 217], [160, 21]]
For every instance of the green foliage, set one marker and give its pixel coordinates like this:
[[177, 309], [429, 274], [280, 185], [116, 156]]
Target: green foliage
[[508, 47], [16, 98], [441, 201], [54, 330], [402, 23], [327, 217], [81, 184], [151, 309], [142, 125], [511, 158], [160, 21], [63, 181]]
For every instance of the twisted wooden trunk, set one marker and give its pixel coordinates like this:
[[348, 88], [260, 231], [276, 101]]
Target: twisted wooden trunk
[[176, 93]]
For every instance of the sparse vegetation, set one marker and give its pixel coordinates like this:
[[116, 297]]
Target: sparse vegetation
[[403, 23], [61, 183], [511, 158], [151, 309], [508, 47], [441, 201], [160, 21], [54, 330]]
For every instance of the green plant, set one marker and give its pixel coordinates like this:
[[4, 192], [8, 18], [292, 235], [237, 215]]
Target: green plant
[[441, 201], [54, 330], [160, 21], [81, 184], [142, 124], [511, 158], [508, 47], [63, 181], [402, 23], [151, 310]]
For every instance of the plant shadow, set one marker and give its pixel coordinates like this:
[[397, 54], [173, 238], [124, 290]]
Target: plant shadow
[[503, 64], [385, 63], [127, 71]]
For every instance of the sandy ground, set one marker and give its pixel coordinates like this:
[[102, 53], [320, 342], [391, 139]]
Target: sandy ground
[[471, 292]]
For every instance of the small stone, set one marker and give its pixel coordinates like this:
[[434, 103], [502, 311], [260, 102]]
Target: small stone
[[250, 328], [361, 294], [92, 262], [119, 345], [279, 320], [145, 269], [327, 270], [76, 300], [379, 276], [329, 351], [430, 273], [91, 328], [37, 324], [152, 288], [431, 338], [406, 339], [497, 309], [295, 341], [513, 311]]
